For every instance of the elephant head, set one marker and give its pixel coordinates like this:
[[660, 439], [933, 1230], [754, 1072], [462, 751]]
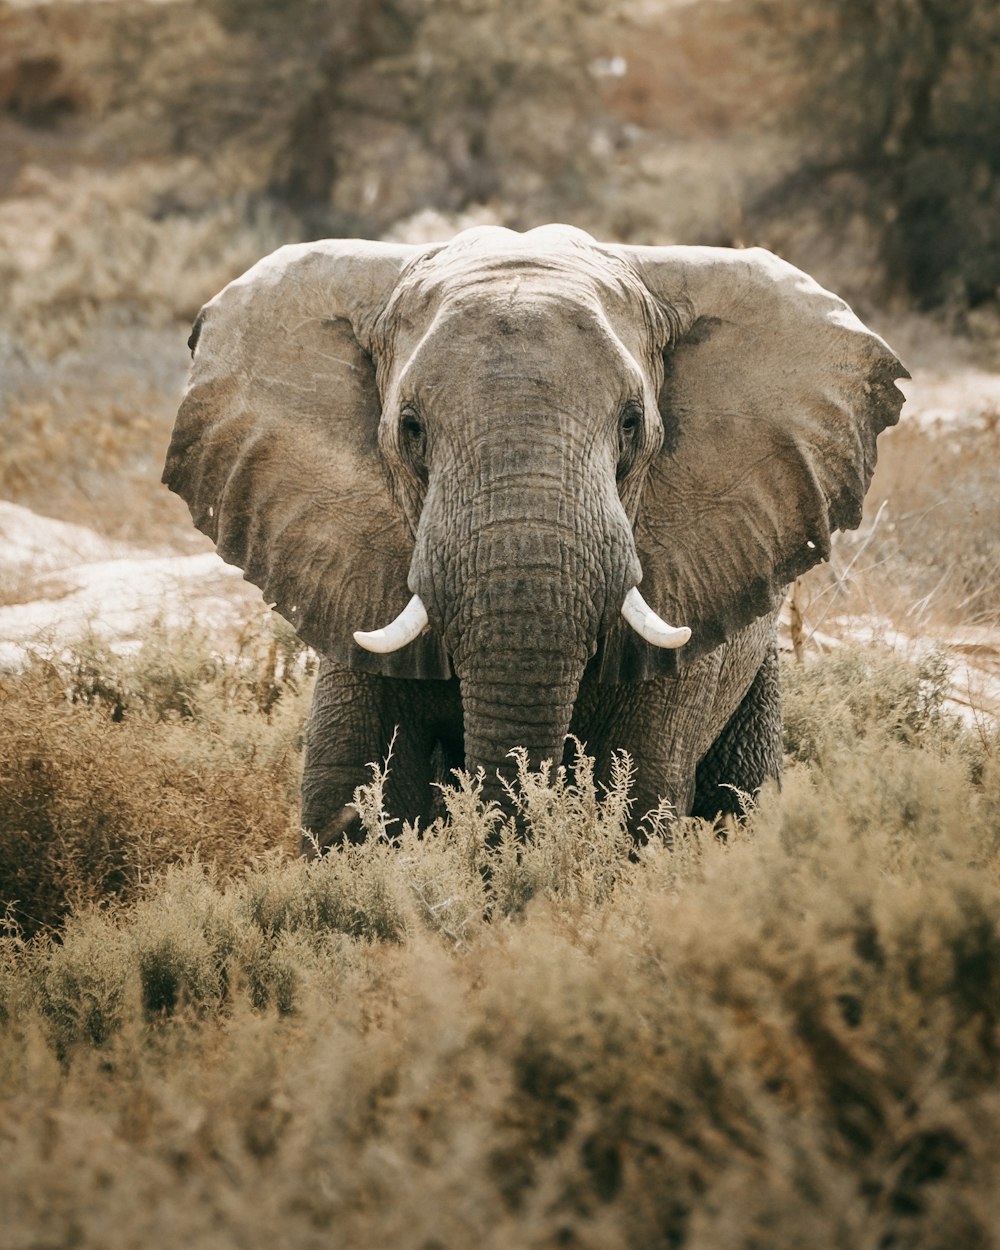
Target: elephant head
[[511, 432]]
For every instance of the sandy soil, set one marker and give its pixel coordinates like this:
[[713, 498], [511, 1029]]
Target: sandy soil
[[60, 582]]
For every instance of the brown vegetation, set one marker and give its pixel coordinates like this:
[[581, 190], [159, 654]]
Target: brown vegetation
[[926, 561], [113, 767], [785, 1036]]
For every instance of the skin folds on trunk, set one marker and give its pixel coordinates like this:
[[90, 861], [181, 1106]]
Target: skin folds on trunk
[[527, 704], [522, 644], [520, 596]]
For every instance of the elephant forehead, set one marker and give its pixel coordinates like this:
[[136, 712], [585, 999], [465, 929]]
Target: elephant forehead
[[566, 349], [537, 272], [517, 325], [580, 273], [521, 315]]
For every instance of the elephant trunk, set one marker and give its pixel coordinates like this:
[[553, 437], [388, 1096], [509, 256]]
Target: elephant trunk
[[521, 596], [523, 557], [517, 702]]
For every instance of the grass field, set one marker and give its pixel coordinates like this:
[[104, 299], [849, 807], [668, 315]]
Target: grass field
[[785, 1035]]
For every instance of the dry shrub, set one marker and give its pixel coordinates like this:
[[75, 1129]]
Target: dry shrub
[[928, 558], [585, 867], [943, 492], [91, 451], [793, 1045], [112, 767], [109, 239], [785, 1038], [860, 691]]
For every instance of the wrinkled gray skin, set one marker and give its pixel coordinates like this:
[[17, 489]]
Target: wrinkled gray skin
[[519, 429]]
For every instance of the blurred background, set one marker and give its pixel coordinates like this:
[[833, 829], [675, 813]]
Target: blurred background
[[150, 150]]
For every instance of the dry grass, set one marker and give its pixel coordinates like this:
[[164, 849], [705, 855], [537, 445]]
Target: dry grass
[[92, 454], [154, 239], [113, 767], [924, 569], [784, 1038], [943, 516]]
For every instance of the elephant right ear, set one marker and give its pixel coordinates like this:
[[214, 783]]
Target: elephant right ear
[[773, 397], [275, 448]]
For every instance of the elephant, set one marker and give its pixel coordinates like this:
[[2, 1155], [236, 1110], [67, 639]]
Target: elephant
[[451, 466]]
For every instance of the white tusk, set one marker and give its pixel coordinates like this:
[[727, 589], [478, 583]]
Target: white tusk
[[648, 625], [396, 635]]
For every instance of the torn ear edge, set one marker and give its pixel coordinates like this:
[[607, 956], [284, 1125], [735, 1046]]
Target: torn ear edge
[[195, 334]]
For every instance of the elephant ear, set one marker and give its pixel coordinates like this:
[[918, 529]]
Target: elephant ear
[[275, 448], [773, 396]]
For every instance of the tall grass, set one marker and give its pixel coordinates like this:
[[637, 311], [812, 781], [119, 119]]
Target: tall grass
[[788, 1035]]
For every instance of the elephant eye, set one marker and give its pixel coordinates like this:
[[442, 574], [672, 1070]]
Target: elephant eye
[[410, 423], [631, 419], [629, 435], [412, 435]]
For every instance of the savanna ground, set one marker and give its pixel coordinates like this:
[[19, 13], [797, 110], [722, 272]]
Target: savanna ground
[[779, 1034]]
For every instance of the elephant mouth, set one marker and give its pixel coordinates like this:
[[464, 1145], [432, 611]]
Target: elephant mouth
[[412, 621]]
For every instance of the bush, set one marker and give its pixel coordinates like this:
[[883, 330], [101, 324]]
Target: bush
[[786, 1037], [781, 1040], [859, 692], [113, 767]]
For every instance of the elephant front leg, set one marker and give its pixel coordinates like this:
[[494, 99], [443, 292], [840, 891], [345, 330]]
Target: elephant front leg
[[345, 732], [748, 751], [652, 721], [354, 719], [714, 724]]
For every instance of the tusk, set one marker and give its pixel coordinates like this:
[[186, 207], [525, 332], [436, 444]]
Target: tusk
[[648, 625], [396, 635]]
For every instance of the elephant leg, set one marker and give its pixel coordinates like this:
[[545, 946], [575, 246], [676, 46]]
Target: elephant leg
[[722, 705], [354, 719], [657, 723], [747, 752]]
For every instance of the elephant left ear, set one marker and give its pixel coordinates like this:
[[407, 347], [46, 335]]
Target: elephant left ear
[[774, 394], [275, 448]]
